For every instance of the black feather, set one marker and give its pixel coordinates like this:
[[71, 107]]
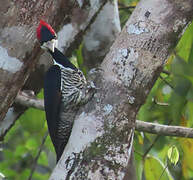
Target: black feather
[[61, 59], [46, 35], [52, 101], [64, 90]]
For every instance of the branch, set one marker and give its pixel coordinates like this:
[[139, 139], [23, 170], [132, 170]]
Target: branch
[[163, 79], [37, 156], [127, 7], [148, 127], [123, 6], [29, 100], [153, 143], [164, 130], [166, 72], [25, 99]]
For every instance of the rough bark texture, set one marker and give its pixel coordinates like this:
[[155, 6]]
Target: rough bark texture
[[20, 54], [100, 144], [101, 35]]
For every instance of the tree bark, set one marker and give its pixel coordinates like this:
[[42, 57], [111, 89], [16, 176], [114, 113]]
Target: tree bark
[[20, 54], [100, 144], [101, 35]]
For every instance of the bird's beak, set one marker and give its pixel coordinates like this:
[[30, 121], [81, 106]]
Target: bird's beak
[[50, 45]]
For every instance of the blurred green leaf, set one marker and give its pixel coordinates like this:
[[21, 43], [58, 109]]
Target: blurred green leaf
[[173, 155], [184, 47], [177, 105], [162, 153], [124, 12], [181, 68], [31, 144], [43, 160], [25, 173], [153, 169], [178, 98], [189, 114], [9, 173], [189, 96], [187, 159], [49, 144], [20, 151], [138, 165], [80, 59], [79, 55], [40, 95], [33, 120]]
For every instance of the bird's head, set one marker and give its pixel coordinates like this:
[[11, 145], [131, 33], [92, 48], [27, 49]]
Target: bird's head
[[46, 36]]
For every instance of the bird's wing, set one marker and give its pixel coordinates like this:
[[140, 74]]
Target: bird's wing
[[52, 99]]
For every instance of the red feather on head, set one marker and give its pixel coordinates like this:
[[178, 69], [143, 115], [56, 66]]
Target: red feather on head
[[43, 23]]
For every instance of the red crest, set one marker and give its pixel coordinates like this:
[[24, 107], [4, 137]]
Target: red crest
[[43, 23]]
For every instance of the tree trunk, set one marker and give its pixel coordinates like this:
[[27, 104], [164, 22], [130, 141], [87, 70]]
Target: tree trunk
[[100, 144], [20, 54], [101, 35]]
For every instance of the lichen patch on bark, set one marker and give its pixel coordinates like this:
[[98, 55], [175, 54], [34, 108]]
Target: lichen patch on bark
[[137, 28], [9, 63], [108, 108], [125, 61]]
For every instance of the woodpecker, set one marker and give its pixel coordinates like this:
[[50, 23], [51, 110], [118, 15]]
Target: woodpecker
[[65, 90]]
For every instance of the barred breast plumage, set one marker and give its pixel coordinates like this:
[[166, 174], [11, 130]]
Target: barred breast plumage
[[73, 88]]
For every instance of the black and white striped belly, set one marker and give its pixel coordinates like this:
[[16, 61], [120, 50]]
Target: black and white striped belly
[[73, 84]]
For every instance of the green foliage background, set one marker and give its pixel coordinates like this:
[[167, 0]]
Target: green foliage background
[[175, 90], [21, 145], [170, 102]]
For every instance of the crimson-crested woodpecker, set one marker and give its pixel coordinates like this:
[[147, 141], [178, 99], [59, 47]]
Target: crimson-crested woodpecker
[[65, 90]]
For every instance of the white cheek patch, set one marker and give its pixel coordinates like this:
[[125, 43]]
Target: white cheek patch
[[50, 45], [55, 43]]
